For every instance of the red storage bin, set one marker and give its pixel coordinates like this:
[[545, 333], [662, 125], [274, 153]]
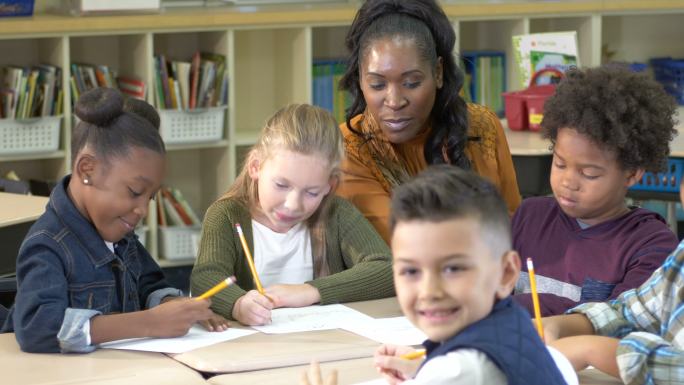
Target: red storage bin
[[525, 109]]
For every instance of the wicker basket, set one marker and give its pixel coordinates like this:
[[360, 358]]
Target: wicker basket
[[29, 136], [179, 242], [192, 126]]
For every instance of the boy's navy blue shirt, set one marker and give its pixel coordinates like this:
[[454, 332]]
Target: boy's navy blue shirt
[[509, 340], [66, 274]]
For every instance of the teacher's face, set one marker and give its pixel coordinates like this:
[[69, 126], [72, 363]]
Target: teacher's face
[[399, 87]]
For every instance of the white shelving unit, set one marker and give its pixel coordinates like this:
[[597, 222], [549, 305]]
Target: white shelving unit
[[270, 50]]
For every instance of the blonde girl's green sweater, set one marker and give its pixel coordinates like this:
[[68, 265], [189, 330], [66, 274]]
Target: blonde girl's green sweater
[[359, 260]]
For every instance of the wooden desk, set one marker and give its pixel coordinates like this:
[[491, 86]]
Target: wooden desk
[[594, 377], [102, 367], [352, 372], [526, 143], [348, 372], [17, 208], [267, 351]]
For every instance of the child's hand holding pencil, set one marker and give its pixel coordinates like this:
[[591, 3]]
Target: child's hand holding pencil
[[253, 309], [216, 322], [397, 363]]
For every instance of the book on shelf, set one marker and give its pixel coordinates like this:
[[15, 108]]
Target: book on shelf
[[85, 77], [194, 79], [161, 212], [220, 69], [485, 78], [534, 52], [164, 78], [182, 70], [132, 87], [174, 210], [30, 92], [186, 206], [201, 82], [325, 87]]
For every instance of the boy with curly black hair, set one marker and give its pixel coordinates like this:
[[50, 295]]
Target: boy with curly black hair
[[607, 126]]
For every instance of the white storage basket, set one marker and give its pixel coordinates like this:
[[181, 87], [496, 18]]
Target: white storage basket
[[179, 242], [192, 126], [29, 136]]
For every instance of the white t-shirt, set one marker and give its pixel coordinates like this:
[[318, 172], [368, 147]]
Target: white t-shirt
[[282, 257], [472, 367]]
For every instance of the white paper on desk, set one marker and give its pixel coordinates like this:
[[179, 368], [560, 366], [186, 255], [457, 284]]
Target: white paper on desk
[[395, 331], [310, 318], [196, 338]]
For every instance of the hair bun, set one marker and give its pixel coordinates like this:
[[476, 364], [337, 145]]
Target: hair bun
[[99, 106], [142, 109]]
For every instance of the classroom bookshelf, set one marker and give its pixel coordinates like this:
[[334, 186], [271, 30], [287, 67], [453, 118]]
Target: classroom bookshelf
[[269, 54]]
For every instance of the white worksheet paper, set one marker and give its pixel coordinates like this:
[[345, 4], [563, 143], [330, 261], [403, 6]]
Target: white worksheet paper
[[197, 337], [395, 331], [310, 318]]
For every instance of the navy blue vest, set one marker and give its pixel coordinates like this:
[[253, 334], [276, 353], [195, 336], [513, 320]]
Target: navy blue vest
[[508, 338]]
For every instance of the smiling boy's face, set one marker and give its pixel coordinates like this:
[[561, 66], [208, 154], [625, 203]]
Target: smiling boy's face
[[445, 275]]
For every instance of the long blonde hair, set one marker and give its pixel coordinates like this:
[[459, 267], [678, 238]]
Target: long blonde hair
[[304, 129]]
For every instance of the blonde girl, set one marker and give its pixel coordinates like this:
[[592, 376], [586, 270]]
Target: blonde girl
[[309, 246]]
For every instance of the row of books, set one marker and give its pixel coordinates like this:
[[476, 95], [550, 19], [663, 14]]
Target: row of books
[[29, 92], [485, 78], [85, 77], [199, 83], [174, 210], [326, 92]]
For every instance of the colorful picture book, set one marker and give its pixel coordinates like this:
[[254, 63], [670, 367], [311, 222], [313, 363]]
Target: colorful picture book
[[534, 52]]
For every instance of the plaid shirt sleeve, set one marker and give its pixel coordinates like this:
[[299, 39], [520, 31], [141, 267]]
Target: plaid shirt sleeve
[[648, 320]]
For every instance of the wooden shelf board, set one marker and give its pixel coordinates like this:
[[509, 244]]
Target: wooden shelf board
[[196, 146], [19, 157], [176, 263], [302, 14]]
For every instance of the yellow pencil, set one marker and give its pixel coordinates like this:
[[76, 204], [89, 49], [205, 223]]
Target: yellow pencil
[[250, 261], [535, 298], [219, 286], [414, 355]]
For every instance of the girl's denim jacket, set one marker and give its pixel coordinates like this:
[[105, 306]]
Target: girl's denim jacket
[[66, 275]]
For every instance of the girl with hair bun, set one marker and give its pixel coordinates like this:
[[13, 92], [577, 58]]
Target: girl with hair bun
[[83, 276], [407, 112]]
